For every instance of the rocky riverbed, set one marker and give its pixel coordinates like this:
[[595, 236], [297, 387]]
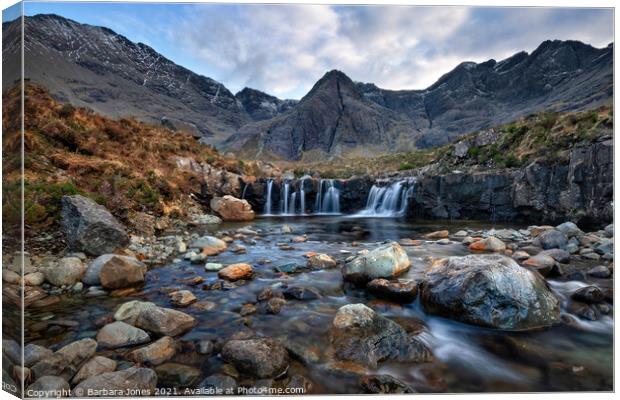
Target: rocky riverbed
[[321, 305]]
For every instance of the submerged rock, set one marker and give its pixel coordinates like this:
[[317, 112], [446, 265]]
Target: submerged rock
[[90, 227], [182, 298], [384, 384], [489, 290], [301, 293], [359, 334], [589, 294], [177, 375], [155, 353], [220, 384], [400, 291], [259, 357], [321, 261], [133, 378], [120, 334], [386, 261]]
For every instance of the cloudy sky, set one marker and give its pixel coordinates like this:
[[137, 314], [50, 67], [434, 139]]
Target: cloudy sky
[[284, 49]]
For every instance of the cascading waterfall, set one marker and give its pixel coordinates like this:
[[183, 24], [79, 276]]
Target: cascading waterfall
[[330, 201], [291, 209], [284, 206], [268, 200], [245, 188], [388, 201], [302, 198]]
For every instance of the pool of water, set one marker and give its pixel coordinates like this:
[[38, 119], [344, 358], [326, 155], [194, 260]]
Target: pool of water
[[576, 355]]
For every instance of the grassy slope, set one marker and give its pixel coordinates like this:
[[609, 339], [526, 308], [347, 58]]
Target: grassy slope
[[124, 164], [544, 135]]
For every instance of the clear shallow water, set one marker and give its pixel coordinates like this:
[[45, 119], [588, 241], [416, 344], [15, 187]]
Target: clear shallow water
[[573, 356]]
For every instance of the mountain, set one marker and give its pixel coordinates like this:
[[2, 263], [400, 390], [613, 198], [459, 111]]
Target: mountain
[[334, 118], [557, 76], [261, 106], [97, 68]]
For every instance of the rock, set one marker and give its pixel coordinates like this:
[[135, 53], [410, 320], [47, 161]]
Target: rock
[[133, 379], [114, 271], [300, 384], [589, 294], [536, 231], [290, 268], [258, 357], [119, 334], [234, 272], [286, 229], [551, 239], [489, 290], [583, 310], [182, 298], [274, 305], [219, 384], [210, 245], [130, 311], [541, 263], [359, 334], [443, 241], [400, 291], [299, 239], [34, 353], [321, 261], [461, 148], [205, 347], [491, 243], [437, 235], [569, 229], [213, 266], [67, 271], [384, 384], [34, 279], [232, 209], [205, 219], [95, 366], [90, 227], [165, 321], [301, 293], [410, 242], [12, 350], [609, 230], [48, 386], [520, 255], [386, 261], [201, 257], [177, 375], [559, 255], [9, 276], [155, 353], [600, 271], [66, 361], [247, 309]]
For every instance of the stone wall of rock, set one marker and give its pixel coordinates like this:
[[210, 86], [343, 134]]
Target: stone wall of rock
[[580, 190]]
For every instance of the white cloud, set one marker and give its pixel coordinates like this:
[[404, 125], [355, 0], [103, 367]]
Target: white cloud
[[284, 49]]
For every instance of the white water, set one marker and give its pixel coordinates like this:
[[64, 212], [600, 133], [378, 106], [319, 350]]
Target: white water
[[329, 202], [284, 206], [302, 198], [268, 200], [388, 201]]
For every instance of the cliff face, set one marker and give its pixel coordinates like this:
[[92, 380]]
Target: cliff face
[[580, 190]]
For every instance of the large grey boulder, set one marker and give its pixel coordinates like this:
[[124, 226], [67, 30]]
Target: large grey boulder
[[551, 239], [360, 334], [155, 319], [386, 261], [66, 361], [259, 357], [67, 271], [134, 378], [90, 227], [489, 290], [120, 334]]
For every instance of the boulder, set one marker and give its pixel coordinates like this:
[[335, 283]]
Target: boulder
[[176, 375], [403, 291], [589, 294], [182, 298], [232, 209], [559, 255], [34, 279], [321, 261], [489, 290], [213, 266], [209, 245], [34, 353], [93, 367], [600, 271], [136, 379], [155, 353], [130, 311], [120, 334], [66, 361], [121, 272], [551, 239], [219, 384], [359, 334], [301, 293], [491, 244], [569, 229], [437, 235], [384, 384], [542, 263], [48, 386], [386, 261], [258, 357], [152, 318], [67, 271], [609, 230], [234, 272], [90, 227]]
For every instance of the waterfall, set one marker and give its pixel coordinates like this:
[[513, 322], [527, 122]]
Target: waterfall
[[268, 200], [328, 203], [302, 198], [245, 187], [291, 209], [388, 201], [284, 207], [319, 195]]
